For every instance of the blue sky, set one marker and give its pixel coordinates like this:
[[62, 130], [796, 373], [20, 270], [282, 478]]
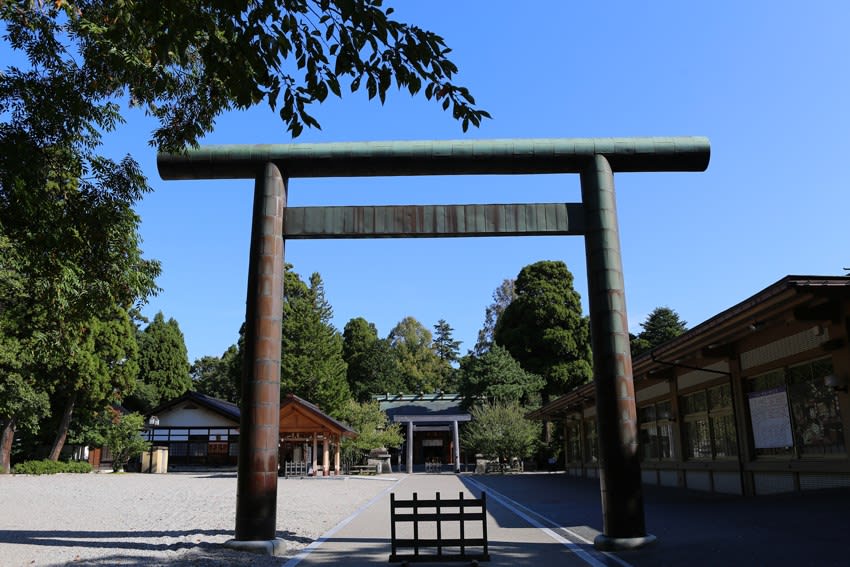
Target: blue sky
[[767, 82]]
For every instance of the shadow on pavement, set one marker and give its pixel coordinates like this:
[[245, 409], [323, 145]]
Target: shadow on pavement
[[695, 528]]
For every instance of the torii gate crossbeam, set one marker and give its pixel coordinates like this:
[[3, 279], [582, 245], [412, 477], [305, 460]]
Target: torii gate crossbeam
[[594, 159]]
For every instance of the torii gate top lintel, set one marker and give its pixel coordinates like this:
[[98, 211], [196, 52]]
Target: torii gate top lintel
[[438, 157]]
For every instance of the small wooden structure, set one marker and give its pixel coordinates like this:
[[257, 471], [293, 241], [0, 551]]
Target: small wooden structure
[[302, 426], [440, 516]]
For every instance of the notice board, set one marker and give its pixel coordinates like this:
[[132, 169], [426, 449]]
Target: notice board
[[771, 419]]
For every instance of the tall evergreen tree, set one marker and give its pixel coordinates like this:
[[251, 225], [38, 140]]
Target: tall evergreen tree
[[447, 350], [372, 368], [502, 297], [312, 366], [444, 345], [102, 370], [419, 365], [163, 364], [213, 376], [495, 377], [659, 327], [544, 330]]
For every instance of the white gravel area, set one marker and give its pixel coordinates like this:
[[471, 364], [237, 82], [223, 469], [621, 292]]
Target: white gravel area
[[159, 519]]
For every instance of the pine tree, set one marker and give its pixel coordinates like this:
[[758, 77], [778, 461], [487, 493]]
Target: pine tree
[[496, 377], [312, 366], [447, 350], [659, 327], [544, 330], [372, 368], [163, 363], [444, 345]]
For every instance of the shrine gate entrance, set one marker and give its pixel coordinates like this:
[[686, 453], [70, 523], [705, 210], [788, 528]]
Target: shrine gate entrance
[[595, 218]]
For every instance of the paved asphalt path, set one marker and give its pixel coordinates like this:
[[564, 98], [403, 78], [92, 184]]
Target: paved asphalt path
[[544, 519]]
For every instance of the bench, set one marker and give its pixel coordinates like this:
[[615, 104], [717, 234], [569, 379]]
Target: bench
[[468, 510], [363, 469]]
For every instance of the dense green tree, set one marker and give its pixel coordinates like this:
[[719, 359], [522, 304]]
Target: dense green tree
[[312, 365], [372, 367], [496, 377], [101, 370], [78, 255], [358, 336], [70, 233], [444, 345], [544, 330], [500, 431], [163, 364], [124, 438], [659, 327], [214, 376], [23, 403], [372, 426], [419, 365], [502, 297]]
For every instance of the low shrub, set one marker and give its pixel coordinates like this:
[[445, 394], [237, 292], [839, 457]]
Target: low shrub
[[51, 467]]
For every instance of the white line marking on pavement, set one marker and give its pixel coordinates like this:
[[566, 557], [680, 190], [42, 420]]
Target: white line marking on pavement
[[328, 534], [528, 515]]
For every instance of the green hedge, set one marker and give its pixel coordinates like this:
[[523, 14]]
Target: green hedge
[[51, 467]]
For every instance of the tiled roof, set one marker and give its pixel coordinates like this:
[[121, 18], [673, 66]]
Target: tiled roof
[[290, 398], [221, 407], [431, 405]]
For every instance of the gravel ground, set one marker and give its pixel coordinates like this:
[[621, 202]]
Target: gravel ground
[[170, 519]]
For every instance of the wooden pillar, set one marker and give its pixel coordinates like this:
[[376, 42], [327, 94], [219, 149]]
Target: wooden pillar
[[314, 457], [456, 446], [256, 493], [616, 414], [746, 449], [336, 455], [326, 465], [409, 447]]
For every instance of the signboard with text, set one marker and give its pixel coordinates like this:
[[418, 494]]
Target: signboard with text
[[771, 419]]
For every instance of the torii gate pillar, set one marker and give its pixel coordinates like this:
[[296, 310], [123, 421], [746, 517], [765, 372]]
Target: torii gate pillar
[[619, 467], [256, 497]]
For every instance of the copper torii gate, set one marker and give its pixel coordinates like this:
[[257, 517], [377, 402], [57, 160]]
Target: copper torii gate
[[594, 159]]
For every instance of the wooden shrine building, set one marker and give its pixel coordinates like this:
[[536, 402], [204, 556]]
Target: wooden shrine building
[[302, 427]]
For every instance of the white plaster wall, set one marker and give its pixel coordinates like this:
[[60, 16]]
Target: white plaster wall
[[201, 417], [695, 377], [652, 392]]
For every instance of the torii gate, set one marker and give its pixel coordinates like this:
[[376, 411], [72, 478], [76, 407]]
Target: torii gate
[[594, 159]]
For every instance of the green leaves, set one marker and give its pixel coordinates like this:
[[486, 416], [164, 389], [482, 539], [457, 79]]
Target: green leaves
[[188, 61], [543, 327], [373, 428], [496, 377], [124, 438], [163, 360], [500, 431], [312, 365], [659, 327], [419, 364]]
